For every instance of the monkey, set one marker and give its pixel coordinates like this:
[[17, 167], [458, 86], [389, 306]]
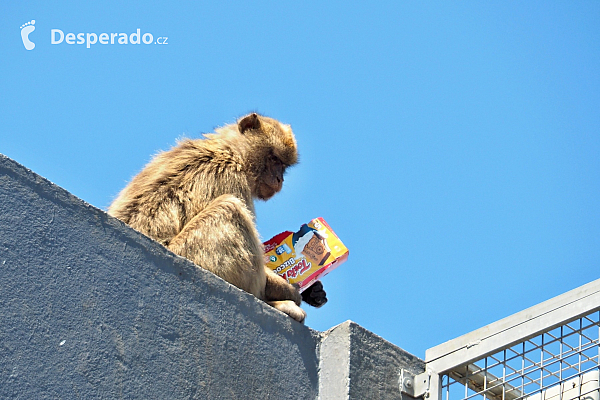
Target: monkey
[[197, 199]]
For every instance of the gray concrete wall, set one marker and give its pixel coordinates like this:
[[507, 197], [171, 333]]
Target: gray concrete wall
[[357, 364], [89, 308]]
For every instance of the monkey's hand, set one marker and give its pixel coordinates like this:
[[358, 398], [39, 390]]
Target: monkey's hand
[[315, 295]]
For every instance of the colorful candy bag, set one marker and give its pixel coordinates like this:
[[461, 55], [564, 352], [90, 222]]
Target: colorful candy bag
[[305, 256]]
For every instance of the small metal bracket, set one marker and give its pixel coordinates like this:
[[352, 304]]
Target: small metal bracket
[[414, 385]]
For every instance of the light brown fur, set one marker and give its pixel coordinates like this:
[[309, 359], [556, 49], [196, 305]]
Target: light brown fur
[[197, 200]]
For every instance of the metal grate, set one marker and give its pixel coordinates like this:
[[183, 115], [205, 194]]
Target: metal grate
[[560, 364]]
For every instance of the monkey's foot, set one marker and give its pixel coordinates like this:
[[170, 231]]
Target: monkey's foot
[[290, 308]]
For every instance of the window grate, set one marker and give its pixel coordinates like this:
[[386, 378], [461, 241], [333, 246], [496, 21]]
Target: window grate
[[560, 364]]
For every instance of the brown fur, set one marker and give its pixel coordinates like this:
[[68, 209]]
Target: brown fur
[[197, 200]]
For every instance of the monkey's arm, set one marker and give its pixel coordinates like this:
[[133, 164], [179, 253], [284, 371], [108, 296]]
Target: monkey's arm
[[278, 288], [283, 296], [315, 295]]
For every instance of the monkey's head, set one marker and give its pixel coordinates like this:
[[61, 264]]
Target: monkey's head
[[272, 149]]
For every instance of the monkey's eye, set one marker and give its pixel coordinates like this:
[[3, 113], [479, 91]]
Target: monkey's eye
[[274, 160], [283, 165], [276, 167]]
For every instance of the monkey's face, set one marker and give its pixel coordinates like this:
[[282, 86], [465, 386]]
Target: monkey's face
[[271, 149], [270, 180]]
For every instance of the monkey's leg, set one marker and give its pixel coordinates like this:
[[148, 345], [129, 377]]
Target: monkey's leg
[[223, 239]]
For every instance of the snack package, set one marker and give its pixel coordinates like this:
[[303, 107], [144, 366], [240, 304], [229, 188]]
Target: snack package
[[305, 256]]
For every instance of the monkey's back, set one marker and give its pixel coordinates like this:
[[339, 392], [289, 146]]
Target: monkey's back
[[179, 183]]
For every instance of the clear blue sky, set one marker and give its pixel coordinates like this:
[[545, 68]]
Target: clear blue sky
[[453, 146]]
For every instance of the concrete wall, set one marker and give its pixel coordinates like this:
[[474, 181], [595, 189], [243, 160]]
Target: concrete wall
[[357, 364], [89, 308]]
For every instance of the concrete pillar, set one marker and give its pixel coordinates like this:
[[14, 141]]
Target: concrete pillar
[[357, 364]]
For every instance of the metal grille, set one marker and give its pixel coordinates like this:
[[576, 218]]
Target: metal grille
[[561, 364]]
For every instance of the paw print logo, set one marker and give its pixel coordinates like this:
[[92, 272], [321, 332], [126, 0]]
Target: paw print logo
[[26, 29]]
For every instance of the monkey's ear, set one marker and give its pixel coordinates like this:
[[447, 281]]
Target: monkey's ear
[[249, 122]]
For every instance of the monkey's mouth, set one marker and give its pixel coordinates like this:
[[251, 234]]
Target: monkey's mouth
[[266, 191]]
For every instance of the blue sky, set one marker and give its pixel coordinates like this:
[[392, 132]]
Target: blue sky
[[453, 146]]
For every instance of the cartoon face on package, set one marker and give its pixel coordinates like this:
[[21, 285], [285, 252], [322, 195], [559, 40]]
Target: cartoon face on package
[[305, 256]]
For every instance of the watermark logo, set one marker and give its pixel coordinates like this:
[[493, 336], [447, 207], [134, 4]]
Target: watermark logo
[[26, 29], [57, 37]]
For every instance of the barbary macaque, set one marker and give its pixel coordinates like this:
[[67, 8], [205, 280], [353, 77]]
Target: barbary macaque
[[197, 200]]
